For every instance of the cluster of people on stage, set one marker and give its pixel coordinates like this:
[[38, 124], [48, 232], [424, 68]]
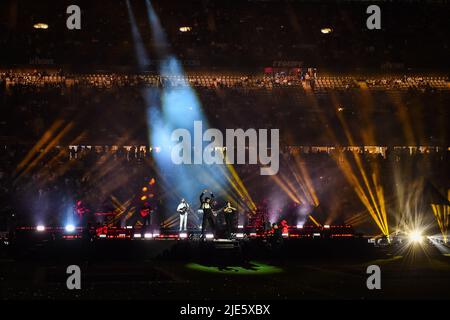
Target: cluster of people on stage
[[209, 214]]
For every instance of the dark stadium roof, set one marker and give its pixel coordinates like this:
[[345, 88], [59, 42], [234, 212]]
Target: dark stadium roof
[[232, 34]]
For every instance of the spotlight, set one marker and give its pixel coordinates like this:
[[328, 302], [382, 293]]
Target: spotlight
[[129, 227], [102, 235], [299, 226], [209, 236], [137, 235], [326, 30], [415, 236], [240, 226], [148, 236], [327, 226], [70, 228], [40, 25], [240, 235], [183, 235], [185, 29], [285, 235], [40, 228]]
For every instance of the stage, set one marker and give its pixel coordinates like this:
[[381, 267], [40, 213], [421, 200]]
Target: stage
[[131, 243]]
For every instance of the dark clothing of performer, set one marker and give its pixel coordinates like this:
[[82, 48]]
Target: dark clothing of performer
[[228, 212], [146, 213], [206, 206]]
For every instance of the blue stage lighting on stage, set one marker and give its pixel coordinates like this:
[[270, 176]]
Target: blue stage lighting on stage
[[69, 228]]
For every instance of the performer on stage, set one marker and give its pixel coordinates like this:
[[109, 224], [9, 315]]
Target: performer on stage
[[183, 209], [229, 218], [146, 214], [206, 206]]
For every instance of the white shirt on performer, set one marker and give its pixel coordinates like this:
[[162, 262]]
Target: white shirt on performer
[[181, 206], [182, 209]]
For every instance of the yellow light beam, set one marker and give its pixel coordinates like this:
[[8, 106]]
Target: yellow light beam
[[42, 141], [49, 146], [314, 220]]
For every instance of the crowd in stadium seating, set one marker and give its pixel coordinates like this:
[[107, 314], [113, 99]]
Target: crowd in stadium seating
[[106, 111], [47, 183], [296, 77], [36, 101]]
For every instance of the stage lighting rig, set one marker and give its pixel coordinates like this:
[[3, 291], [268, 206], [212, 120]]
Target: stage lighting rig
[[70, 228], [415, 236]]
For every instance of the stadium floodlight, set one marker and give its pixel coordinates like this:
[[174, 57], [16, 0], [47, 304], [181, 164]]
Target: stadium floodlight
[[40, 25], [185, 29], [40, 228], [70, 228]]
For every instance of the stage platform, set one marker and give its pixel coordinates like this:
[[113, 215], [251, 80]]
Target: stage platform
[[153, 233], [130, 243]]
